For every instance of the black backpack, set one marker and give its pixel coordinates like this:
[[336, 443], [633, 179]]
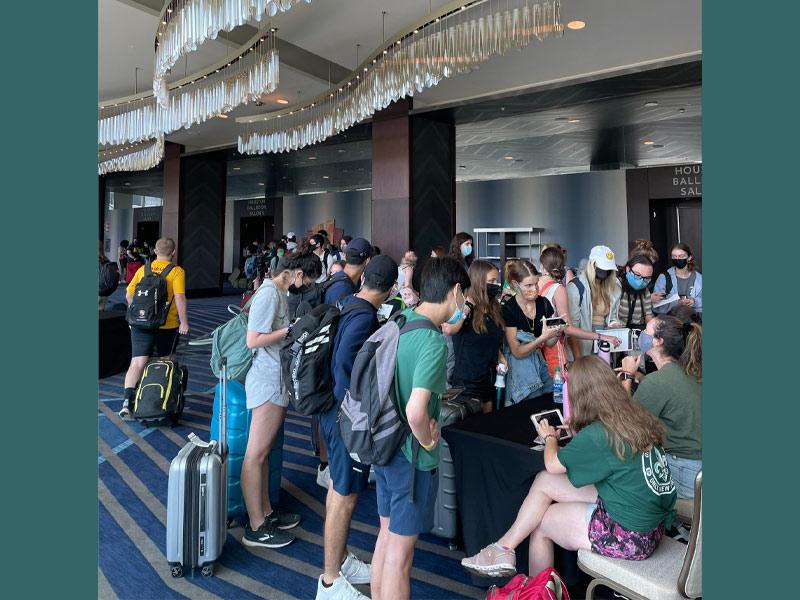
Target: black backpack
[[109, 278], [150, 303], [306, 356], [160, 394], [328, 283]]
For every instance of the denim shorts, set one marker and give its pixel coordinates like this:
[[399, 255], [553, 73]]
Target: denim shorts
[[347, 475], [393, 483], [683, 471]]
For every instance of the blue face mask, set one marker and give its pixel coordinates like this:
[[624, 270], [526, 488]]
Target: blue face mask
[[457, 315], [635, 281], [645, 342], [466, 250]]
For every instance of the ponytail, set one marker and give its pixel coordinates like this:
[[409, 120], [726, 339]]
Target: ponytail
[[692, 356]]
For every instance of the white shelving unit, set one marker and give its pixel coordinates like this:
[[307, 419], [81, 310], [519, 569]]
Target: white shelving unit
[[499, 244]]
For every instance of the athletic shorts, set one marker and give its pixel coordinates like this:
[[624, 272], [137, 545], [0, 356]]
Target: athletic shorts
[[152, 342], [393, 482], [347, 475]]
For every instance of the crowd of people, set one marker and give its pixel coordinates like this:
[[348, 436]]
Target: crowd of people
[[634, 416]]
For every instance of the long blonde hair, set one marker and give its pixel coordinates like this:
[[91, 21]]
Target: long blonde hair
[[595, 394], [604, 287], [478, 271]]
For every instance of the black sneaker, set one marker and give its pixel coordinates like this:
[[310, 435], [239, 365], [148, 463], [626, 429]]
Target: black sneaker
[[283, 520], [266, 536]]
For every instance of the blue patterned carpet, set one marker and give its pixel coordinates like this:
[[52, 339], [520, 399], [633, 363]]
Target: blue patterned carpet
[[132, 492]]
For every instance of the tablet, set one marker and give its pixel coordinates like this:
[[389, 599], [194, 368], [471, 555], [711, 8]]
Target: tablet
[[555, 419], [622, 334]]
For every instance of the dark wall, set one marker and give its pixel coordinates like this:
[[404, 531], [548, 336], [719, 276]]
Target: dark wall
[[202, 221], [147, 213]]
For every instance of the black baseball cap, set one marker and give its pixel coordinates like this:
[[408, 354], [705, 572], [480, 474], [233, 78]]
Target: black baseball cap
[[359, 248], [381, 269]]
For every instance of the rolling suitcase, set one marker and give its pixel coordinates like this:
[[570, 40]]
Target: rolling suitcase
[[238, 426], [455, 407], [197, 499]]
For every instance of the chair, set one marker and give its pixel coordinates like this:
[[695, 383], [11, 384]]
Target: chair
[[674, 571]]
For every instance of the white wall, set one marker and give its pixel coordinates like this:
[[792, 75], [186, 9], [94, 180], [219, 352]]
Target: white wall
[[352, 211], [578, 210]]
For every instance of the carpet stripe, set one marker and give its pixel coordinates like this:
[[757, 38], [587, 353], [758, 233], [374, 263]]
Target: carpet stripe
[[104, 590]]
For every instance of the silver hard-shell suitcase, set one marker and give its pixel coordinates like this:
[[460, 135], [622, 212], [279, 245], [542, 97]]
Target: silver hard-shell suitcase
[[197, 499], [455, 408]]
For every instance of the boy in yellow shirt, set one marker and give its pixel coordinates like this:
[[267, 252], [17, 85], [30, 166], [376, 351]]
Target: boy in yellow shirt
[[143, 341]]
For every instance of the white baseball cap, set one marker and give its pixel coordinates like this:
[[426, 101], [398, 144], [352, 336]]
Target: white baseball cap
[[603, 257], [290, 235]]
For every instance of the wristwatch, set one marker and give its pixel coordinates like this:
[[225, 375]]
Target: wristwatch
[[626, 376]]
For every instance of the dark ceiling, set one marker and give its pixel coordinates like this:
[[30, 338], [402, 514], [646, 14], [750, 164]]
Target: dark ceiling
[[595, 125]]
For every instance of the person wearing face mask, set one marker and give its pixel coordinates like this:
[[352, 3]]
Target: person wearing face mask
[[594, 297], [349, 478], [419, 380], [478, 338], [304, 293], [635, 307], [461, 248], [280, 252], [552, 287], [673, 392], [359, 252], [346, 239], [526, 334], [267, 326], [316, 243], [683, 279]]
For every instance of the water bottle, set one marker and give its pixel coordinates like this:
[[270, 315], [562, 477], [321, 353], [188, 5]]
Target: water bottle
[[558, 387]]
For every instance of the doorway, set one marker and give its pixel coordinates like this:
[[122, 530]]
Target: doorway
[[252, 229], [148, 231], [674, 222]]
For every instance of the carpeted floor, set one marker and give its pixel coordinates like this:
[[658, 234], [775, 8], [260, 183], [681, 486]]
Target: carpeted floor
[[132, 491]]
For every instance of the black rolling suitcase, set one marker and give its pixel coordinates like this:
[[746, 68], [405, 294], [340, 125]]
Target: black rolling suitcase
[[197, 498]]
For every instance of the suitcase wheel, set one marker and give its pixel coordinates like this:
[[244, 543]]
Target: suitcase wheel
[[176, 570], [207, 570]]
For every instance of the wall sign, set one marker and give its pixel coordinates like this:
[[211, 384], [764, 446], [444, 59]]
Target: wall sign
[[680, 181], [257, 207]]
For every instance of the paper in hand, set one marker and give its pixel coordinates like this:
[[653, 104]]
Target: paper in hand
[[667, 300]]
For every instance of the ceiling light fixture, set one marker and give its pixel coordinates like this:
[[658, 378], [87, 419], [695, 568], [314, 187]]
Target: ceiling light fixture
[[651, 104], [237, 168], [282, 101], [574, 121], [648, 142], [325, 177], [418, 63], [312, 158], [261, 183], [508, 157], [576, 25]]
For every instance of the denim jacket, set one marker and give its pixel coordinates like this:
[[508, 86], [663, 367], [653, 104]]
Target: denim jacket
[[527, 377]]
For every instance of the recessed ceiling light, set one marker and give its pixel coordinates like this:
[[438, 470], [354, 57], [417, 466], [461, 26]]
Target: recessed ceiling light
[[502, 108], [312, 158], [508, 157], [340, 151], [576, 25], [127, 183], [648, 142], [282, 101], [574, 121], [651, 104], [681, 110], [260, 183], [462, 166], [236, 168], [325, 177]]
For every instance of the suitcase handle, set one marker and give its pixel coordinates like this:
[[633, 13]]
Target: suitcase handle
[[223, 406]]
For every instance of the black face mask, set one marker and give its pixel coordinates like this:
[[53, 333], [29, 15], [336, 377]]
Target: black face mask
[[601, 274], [680, 263], [493, 290]]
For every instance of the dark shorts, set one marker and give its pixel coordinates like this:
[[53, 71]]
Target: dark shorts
[[145, 341], [393, 483], [609, 538], [347, 475]]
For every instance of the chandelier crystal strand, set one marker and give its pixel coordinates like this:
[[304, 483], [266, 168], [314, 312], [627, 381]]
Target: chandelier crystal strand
[[135, 157], [186, 24], [253, 73], [449, 44]]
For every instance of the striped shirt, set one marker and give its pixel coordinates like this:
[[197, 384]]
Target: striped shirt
[[634, 307]]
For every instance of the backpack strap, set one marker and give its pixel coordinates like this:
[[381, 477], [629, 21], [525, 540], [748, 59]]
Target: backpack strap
[[581, 289], [667, 283], [147, 269]]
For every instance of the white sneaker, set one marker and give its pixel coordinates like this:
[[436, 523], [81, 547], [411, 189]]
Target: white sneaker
[[323, 476], [340, 589], [125, 412], [355, 570]]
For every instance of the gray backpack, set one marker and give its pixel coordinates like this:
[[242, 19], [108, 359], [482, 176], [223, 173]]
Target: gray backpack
[[370, 422]]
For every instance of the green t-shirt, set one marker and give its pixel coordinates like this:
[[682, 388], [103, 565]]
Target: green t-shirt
[[674, 397], [421, 363], [638, 493]]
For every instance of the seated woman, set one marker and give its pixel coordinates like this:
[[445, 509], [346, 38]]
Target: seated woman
[[608, 490], [478, 338], [673, 392], [526, 334]]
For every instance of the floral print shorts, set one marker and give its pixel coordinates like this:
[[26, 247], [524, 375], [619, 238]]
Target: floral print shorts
[[609, 538]]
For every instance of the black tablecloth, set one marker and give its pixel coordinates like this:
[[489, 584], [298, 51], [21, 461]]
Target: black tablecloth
[[494, 469], [115, 343]]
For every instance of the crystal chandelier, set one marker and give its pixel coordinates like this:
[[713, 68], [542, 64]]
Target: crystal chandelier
[[186, 24], [135, 157], [452, 40], [218, 89]]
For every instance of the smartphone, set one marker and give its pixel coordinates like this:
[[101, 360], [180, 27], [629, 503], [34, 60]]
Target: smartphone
[[555, 322]]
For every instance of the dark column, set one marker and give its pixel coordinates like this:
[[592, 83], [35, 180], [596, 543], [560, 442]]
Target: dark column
[[638, 198], [413, 181], [173, 200], [202, 221], [101, 193]]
